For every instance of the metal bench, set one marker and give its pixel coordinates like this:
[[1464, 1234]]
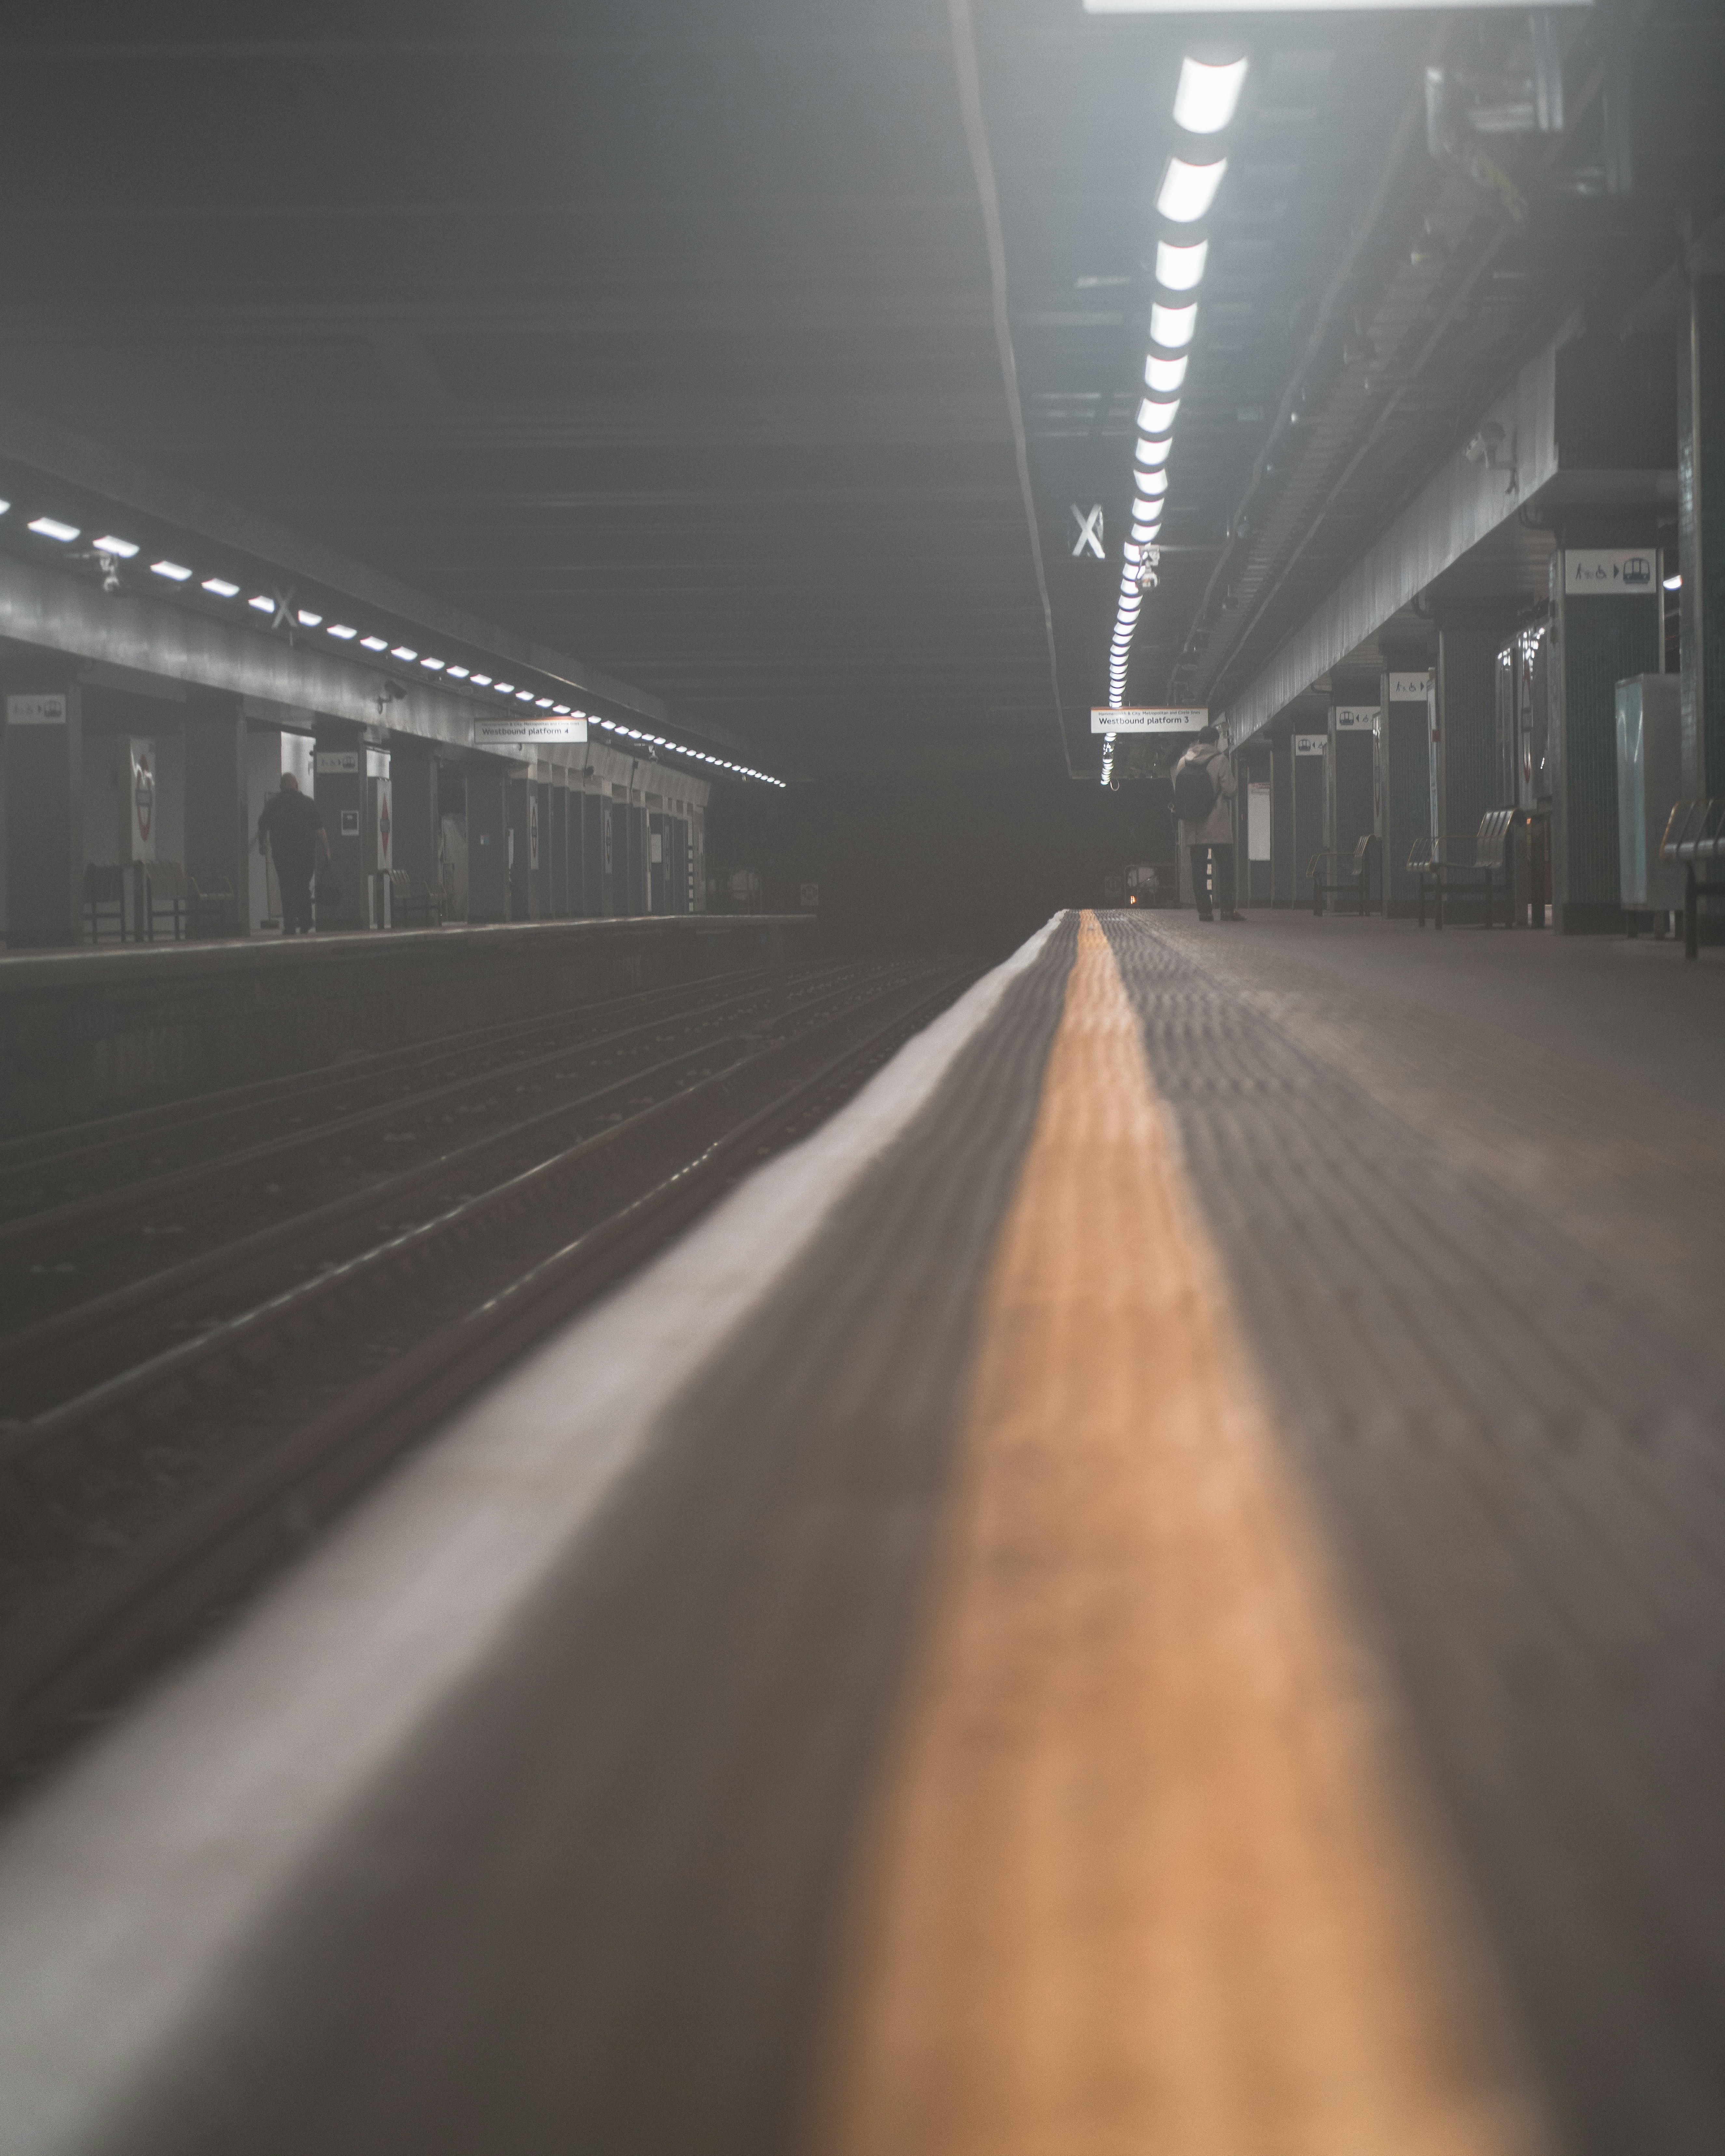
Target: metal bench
[[1358, 881], [104, 899], [1695, 837], [190, 910], [1487, 853], [408, 899]]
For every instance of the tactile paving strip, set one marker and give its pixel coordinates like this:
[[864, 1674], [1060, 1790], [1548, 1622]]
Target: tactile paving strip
[[1522, 1472]]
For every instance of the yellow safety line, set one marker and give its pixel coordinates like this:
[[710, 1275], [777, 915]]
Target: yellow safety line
[[1137, 1887]]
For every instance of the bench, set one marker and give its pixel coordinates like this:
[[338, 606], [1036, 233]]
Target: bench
[[1487, 853], [193, 910], [105, 896], [1358, 881], [1695, 837], [408, 899]]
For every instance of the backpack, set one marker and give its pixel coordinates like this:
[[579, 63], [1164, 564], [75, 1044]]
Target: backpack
[[1194, 789]]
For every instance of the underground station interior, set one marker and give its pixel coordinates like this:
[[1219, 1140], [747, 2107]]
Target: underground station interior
[[862, 1078]]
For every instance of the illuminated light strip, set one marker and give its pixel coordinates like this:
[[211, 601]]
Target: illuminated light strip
[[1136, 1878]]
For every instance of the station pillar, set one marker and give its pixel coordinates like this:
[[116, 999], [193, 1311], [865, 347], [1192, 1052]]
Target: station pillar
[[1604, 627], [1700, 525], [339, 762], [1283, 875], [44, 806], [216, 800], [414, 812], [1353, 729], [1467, 723], [556, 840], [487, 844], [1407, 765], [1310, 791], [521, 843]]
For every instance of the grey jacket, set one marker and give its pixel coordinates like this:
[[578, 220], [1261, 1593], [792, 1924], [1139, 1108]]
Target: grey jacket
[[1217, 829]]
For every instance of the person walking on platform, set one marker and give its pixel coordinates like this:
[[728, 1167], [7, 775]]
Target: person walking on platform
[[1204, 786], [291, 829]]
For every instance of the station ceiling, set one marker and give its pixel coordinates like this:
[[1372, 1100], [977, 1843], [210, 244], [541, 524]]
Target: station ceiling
[[666, 337]]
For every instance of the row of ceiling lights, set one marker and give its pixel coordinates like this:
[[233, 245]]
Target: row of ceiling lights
[[1204, 104], [112, 549]]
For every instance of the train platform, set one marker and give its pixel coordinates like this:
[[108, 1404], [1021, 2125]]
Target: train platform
[[104, 1027], [1156, 1585]]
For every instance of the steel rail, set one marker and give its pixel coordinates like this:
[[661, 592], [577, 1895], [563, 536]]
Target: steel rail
[[99, 1629], [72, 1142], [41, 1228], [82, 1321]]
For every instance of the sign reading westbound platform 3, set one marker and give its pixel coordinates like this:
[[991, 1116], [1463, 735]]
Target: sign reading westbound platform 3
[[1144, 719]]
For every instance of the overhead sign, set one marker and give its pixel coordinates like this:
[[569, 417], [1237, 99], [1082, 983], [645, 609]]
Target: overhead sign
[[1089, 531], [338, 759], [1356, 718], [1610, 572], [1410, 688], [1311, 744], [36, 710], [510, 732], [1150, 719]]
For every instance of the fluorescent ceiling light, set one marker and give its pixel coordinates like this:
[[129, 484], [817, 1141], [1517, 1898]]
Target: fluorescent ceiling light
[[4, 507], [1181, 268], [1145, 534], [560, 711], [221, 587], [503, 688], [172, 570], [1155, 415], [609, 725], [403, 651], [1204, 102], [1150, 455], [107, 544], [481, 681], [1671, 583], [375, 642], [310, 620], [1172, 327], [50, 527], [543, 703], [1289, 7], [1186, 191], [1152, 483], [264, 604], [435, 665], [1164, 374], [341, 629], [524, 695], [458, 673]]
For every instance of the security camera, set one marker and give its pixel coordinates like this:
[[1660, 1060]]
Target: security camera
[[1483, 449]]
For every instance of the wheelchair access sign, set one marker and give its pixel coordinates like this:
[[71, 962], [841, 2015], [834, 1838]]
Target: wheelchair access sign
[[1609, 573]]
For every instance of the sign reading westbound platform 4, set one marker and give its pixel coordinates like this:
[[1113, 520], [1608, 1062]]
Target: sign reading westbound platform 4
[[521, 733], [1148, 718]]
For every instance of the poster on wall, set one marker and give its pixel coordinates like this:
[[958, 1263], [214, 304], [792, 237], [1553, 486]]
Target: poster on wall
[[141, 761]]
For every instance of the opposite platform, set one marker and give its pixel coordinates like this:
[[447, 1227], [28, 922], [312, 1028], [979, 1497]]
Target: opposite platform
[[1155, 1586]]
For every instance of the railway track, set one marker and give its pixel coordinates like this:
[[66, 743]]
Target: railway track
[[141, 1502]]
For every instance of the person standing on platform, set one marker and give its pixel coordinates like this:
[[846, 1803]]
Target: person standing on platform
[[1204, 788], [291, 829]]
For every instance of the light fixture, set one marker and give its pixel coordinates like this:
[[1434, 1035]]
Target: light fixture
[[173, 570], [1145, 533], [458, 673], [374, 642], [107, 544], [560, 710], [1673, 583], [1186, 191], [1180, 268], [503, 688], [340, 629], [307, 620], [50, 527], [1155, 414], [1149, 455], [1164, 374], [542, 703], [4, 507], [403, 651], [221, 588], [1204, 102], [433, 666], [1172, 327], [262, 602], [481, 681], [524, 695]]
